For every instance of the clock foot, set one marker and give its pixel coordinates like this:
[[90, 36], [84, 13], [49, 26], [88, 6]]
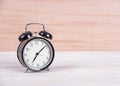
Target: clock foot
[[47, 69], [26, 70]]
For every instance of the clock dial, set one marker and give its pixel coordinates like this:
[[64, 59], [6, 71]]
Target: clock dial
[[37, 54]]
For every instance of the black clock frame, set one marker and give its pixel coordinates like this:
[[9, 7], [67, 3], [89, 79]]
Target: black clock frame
[[23, 44]]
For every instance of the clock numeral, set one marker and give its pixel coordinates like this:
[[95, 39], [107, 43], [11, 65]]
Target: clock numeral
[[42, 43], [31, 44], [27, 60], [27, 49], [36, 41], [38, 65], [48, 52], [47, 58], [25, 54], [43, 62], [46, 48]]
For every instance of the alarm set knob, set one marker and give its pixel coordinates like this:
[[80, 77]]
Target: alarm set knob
[[25, 36], [45, 34]]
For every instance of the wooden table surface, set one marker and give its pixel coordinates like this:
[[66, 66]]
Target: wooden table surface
[[75, 24], [67, 69]]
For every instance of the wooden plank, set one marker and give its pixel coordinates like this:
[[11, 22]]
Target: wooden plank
[[75, 24]]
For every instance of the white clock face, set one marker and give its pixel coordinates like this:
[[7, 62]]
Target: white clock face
[[37, 54]]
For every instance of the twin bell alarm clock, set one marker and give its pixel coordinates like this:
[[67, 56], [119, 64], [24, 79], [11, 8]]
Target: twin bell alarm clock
[[35, 52]]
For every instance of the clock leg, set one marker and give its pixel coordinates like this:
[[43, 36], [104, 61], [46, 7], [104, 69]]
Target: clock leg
[[26, 70], [47, 69]]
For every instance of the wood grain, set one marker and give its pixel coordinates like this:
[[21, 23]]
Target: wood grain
[[76, 24]]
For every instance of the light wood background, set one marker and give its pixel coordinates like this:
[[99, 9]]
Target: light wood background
[[75, 24]]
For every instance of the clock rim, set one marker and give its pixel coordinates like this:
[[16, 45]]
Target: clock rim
[[19, 53], [23, 44]]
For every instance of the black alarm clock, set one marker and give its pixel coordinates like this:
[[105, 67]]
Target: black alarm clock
[[35, 52]]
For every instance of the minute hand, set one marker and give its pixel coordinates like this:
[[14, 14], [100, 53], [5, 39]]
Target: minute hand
[[41, 49], [38, 53]]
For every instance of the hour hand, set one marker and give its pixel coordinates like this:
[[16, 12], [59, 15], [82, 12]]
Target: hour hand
[[35, 57]]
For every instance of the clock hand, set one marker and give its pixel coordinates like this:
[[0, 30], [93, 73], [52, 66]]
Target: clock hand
[[41, 50], [38, 54], [35, 57]]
